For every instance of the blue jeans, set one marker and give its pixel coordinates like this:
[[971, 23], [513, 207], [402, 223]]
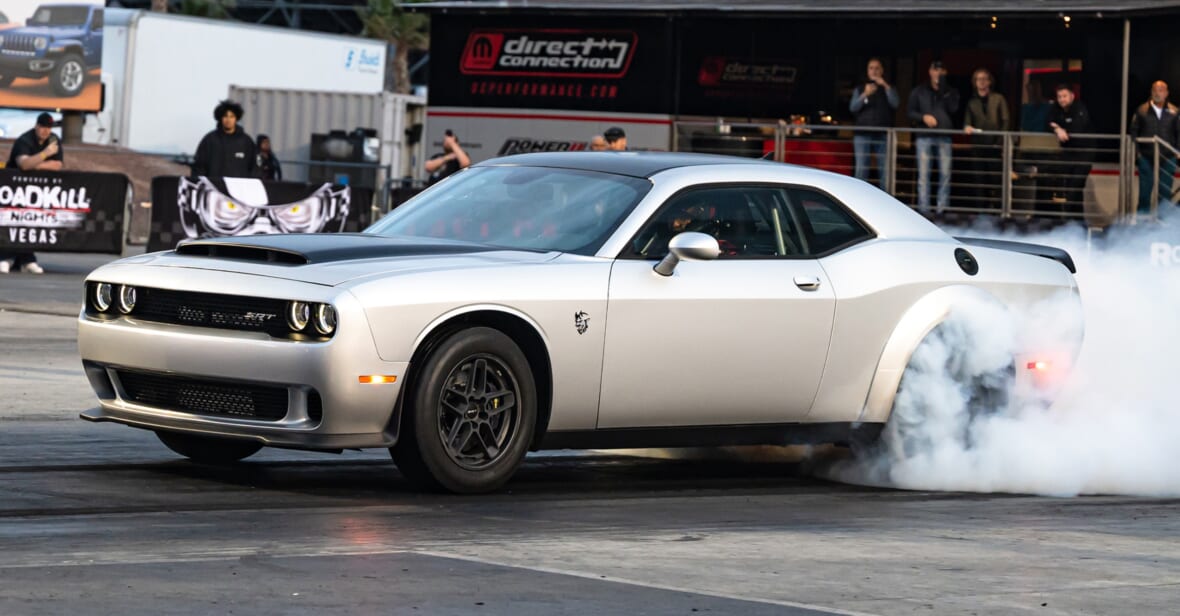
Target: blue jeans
[[924, 145], [1167, 169], [864, 147]]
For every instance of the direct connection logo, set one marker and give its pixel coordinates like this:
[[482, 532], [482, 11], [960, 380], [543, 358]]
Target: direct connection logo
[[595, 54]]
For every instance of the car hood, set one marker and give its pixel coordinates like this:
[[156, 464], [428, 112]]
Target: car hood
[[49, 31], [334, 258]]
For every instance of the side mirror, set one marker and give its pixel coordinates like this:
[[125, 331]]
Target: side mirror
[[688, 246]]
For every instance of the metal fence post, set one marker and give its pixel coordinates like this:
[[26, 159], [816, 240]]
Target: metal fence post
[[1006, 177], [891, 156], [675, 136], [1155, 179]]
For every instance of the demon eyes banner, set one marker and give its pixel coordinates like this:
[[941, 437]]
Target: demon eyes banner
[[197, 207], [62, 211]]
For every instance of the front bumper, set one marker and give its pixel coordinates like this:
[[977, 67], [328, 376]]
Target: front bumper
[[354, 415], [21, 65]]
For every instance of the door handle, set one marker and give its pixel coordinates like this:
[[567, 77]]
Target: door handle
[[807, 283]]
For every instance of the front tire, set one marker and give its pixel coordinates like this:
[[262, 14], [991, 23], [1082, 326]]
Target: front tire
[[208, 449], [69, 76], [470, 416]]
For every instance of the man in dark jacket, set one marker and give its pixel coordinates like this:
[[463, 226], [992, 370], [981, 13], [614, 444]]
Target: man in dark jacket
[[268, 165], [226, 151], [873, 104], [1069, 117], [987, 116], [931, 106], [36, 150], [1156, 118]]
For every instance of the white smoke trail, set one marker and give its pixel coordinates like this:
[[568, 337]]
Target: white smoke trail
[[1114, 429]]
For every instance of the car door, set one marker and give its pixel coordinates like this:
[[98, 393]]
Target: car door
[[92, 45], [738, 340]]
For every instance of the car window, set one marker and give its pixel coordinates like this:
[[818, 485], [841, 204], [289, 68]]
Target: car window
[[96, 22], [747, 221], [825, 224], [60, 16], [531, 208]]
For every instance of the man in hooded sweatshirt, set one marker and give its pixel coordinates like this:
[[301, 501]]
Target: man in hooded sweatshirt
[[226, 151]]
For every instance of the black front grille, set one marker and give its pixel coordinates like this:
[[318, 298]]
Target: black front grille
[[24, 43], [213, 310], [205, 397]]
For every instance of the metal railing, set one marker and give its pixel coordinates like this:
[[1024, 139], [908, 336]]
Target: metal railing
[[1012, 175]]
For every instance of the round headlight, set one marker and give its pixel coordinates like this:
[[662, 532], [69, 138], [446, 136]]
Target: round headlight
[[298, 314], [126, 299], [325, 319], [103, 295], [41, 42]]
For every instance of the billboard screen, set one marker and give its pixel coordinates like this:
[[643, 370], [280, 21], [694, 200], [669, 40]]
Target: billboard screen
[[537, 62], [51, 55]]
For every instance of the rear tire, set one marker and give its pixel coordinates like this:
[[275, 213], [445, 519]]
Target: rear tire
[[208, 449], [943, 392], [469, 418]]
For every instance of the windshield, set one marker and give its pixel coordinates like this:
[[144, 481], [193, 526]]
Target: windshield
[[60, 16], [530, 208]]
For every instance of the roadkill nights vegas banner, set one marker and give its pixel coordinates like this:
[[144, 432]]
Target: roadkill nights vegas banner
[[62, 211], [198, 207]]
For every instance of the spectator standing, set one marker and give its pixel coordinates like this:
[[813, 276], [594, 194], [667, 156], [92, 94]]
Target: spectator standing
[[616, 139], [1069, 117], [226, 151], [268, 165], [597, 143], [450, 160], [38, 149], [873, 105], [1156, 118], [987, 114], [932, 105]]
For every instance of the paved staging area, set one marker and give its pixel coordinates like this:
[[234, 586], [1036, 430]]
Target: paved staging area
[[103, 519]]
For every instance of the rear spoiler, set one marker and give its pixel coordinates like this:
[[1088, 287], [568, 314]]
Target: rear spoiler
[[1047, 252]]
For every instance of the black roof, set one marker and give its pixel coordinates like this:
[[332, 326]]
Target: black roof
[[635, 164], [915, 8]]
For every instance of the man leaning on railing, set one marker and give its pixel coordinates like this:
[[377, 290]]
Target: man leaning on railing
[[1156, 118]]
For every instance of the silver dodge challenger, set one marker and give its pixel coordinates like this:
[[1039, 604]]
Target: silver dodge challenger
[[544, 301]]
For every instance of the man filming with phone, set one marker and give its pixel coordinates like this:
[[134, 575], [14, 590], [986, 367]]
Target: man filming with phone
[[452, 159], [36, 150]]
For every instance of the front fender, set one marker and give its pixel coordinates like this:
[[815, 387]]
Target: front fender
[[921, 318]]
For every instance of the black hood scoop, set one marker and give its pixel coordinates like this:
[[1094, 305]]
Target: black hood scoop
[[305, 249]]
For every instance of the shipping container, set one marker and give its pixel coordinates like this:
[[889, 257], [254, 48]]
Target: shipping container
[[290, 118]]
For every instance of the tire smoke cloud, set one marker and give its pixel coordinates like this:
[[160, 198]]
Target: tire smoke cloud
[[1114, 428]]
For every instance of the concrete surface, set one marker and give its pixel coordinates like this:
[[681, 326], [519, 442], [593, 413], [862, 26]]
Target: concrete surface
[[102, 519]]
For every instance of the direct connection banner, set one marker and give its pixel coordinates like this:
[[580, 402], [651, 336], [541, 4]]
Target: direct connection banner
[[51, 55], [199, 207], [47, 211]]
